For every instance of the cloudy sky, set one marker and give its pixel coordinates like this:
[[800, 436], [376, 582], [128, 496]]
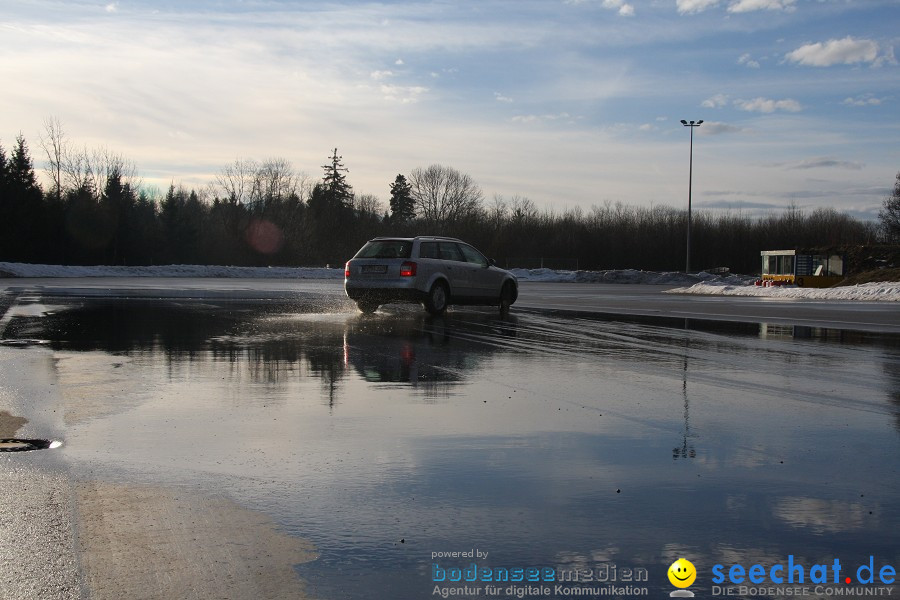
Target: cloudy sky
[[568, 102]]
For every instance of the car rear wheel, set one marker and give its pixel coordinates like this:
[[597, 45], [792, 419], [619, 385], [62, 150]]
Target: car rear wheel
[[367, 307], [436, 301]]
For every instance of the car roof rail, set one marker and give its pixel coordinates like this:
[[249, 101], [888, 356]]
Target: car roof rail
[[418, 237]]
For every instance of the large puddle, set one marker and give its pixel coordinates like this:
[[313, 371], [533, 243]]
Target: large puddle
[[541, 440]]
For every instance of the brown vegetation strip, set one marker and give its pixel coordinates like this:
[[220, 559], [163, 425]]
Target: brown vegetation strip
[[148, 542]]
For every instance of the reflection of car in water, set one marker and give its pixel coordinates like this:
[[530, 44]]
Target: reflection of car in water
[[431, 352], [436, 271]]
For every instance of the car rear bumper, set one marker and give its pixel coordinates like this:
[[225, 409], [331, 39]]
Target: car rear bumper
[[383, 292]]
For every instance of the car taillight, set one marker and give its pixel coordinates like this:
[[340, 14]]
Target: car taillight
[[347, 269], [408, 269]]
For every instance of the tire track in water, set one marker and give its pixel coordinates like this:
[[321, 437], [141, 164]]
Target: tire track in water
[[721, 360]]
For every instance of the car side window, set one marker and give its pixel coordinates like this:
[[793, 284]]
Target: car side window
[[428, 250], [450, 251], [473, 256]]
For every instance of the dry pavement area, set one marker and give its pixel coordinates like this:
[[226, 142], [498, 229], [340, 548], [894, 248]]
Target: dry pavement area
[[67, 536]]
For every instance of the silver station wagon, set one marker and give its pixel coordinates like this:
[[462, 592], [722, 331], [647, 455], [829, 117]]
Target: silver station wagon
[[436, 271]]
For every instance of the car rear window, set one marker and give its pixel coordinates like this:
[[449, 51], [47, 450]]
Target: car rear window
[[385, 249]]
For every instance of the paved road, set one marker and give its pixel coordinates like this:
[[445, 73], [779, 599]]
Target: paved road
[[278, 406], [628, 299], [651, 300]]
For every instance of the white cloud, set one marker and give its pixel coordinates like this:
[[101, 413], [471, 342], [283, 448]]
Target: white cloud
[[540, 118], [399, 62], [450, 71], [695, 6], [863, 100], [111, 7], [501, 98], [403, 94], [887, 57], [828, 162], [718, 128], [741, 6], [737, 204], [746, 59], [846, 51], [737, 6], [647, 127], [379, 75], [717, 101], [765, 105], [624, 9]]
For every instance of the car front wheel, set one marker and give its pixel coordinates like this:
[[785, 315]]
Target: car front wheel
[[436, 301], [507, 296]]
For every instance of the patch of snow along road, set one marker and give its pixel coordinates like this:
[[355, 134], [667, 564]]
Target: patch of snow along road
[[198, 271], [881, 291]]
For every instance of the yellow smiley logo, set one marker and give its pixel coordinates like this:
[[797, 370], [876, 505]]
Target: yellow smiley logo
[[682, 573]]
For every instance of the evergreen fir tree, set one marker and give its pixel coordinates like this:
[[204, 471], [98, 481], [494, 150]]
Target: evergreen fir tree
[[331, 207], [338, 193], [21, 171], [119, 201], [402, 203], [4, 170], [890, 213], [21, 206], [6, 223]]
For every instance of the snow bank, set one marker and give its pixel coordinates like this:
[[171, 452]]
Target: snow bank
[[626, 276], [546, 275], [884, 291], [29, 270]]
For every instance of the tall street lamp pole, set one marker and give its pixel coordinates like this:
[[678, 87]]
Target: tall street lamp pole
[[691, 124]]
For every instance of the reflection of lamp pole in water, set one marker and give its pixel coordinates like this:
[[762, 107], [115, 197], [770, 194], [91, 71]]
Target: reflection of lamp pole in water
[[692, 124], [686, 451]]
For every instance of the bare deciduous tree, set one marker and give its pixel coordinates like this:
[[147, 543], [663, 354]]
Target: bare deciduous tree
[[443, 195], [236, 181], [91, 168], [523, 210], [369, 205], [497, 212], [276, 179], [55, 145]]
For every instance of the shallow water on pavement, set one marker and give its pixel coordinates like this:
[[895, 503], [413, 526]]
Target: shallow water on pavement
[[542, 439]]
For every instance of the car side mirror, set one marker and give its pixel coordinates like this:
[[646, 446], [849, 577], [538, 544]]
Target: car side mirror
[[491, 262]]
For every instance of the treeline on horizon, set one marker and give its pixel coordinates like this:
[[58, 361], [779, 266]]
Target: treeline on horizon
[[260, 214]]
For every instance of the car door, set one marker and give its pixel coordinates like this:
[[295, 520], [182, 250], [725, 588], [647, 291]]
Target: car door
[[458, 270], [484, 280]]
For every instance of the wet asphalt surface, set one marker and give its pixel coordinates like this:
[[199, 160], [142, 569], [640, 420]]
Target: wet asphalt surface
[[543, 438]]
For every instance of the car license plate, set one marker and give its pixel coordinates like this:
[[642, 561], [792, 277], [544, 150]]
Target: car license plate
[[374, 269]]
